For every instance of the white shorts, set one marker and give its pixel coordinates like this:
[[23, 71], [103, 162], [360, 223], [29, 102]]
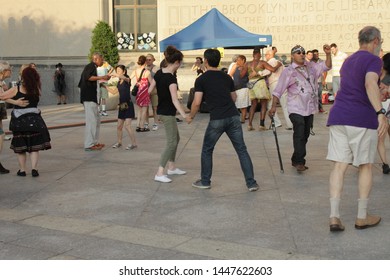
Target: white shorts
[[242, 100], [352, 144]]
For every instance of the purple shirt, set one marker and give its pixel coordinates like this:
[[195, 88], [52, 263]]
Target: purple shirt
[[352, 106], [301, 83]]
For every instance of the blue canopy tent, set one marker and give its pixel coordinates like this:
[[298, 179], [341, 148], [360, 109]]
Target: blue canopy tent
[[215, 30]]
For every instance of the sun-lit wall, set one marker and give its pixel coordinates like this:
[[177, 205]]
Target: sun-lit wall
[[48, 28], [49, 31], [310, 23]]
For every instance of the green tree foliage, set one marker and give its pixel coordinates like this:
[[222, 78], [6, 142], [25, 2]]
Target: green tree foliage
[[104, 42]]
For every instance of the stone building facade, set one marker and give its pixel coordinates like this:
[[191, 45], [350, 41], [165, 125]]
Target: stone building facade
[[47, 31]]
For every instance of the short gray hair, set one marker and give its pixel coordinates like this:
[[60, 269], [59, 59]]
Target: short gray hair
[[4, 65], [269, 50], [368, 34], [98, 54]]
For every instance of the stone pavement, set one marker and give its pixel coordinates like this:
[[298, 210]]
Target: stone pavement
[[105, 204]]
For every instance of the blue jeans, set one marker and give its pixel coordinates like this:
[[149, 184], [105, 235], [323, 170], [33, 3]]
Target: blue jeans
[[232, 127]]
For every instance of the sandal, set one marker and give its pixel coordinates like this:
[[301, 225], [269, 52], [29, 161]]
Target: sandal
[[262, 128], [131, 147], [117, 145], [138, 129], [250, 128]]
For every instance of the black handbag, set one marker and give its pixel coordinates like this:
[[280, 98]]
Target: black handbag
[[134, 91]]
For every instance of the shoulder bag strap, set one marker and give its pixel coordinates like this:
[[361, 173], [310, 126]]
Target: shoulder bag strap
[[140, 77]]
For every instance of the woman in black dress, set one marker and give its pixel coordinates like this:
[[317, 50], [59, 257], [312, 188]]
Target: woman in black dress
[[59, 84], [5, 72], [29, 130], [126, 108]]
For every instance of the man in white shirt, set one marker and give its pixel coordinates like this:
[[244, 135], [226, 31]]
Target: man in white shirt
[[338, 58], [103, 70], [272, 81]]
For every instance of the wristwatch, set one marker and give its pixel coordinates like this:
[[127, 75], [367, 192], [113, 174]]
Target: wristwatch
[[381, 111]]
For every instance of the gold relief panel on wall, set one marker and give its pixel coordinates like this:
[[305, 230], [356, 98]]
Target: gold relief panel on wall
[[308, 22]]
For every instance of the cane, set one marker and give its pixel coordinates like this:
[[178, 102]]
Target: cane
[[277, 144]]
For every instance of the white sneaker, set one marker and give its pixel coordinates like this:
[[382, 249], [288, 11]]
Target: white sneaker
[[104, 113], [176, 171], [155, 127], [7, 138], [131, 147], [162, 179]]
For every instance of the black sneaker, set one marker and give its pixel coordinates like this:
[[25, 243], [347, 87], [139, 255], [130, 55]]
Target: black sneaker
[[253, 188], [385, 168], [198, 184]]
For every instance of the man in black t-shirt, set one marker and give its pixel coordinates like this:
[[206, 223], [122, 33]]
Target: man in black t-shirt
[[218, 90], [88, 96]]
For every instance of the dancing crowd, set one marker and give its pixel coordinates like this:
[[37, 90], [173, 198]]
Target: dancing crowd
[[358, 120]]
